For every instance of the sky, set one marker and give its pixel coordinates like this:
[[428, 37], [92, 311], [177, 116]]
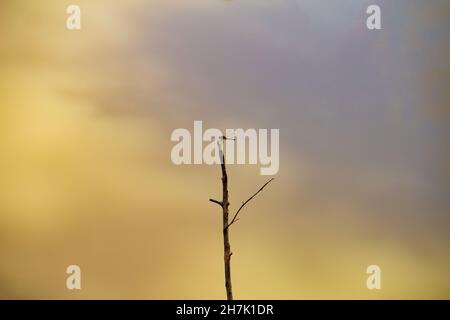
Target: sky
[[85, 170]]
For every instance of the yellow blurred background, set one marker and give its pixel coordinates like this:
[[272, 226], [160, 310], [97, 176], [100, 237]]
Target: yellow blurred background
[[85, 170]]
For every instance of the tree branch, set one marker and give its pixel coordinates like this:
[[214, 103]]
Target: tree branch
[[216, 201], [226, 138], [235, 218], [225, 215]]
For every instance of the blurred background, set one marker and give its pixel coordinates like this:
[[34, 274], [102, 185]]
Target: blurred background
[[85, 170]]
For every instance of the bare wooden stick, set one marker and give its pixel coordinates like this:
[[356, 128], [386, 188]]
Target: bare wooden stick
[[225, 214], [226, 238]]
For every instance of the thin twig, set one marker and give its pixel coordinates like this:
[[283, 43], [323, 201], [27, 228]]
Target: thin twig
[[216, 201], [225, 204], [235, 218], [226, 138]]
